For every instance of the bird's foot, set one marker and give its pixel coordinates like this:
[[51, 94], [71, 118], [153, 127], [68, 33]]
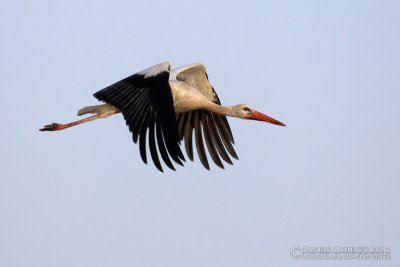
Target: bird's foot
[[53, 127]]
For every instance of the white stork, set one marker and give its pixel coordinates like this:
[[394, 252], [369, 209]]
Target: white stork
[[169, 105]]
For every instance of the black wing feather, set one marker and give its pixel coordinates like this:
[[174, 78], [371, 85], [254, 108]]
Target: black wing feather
[[217, 139], [161, 147], [142, 135], [226, 138], [188, 133], [199, 139], [210, 142], [142, 144], [152, 145]]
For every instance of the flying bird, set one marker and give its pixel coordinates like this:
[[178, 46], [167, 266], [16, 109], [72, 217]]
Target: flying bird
[[163, 107]]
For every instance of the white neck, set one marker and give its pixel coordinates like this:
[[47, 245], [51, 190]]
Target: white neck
[[222, 110]]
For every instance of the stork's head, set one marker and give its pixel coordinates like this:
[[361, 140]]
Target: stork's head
[[244, 111]]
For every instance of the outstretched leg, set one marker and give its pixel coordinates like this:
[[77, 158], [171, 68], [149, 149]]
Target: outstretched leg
[[60, 126]]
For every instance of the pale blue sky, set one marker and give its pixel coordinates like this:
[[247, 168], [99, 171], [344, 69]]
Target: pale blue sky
[[82, 197]]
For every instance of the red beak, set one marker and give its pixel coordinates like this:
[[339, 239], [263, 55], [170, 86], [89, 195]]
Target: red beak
[[258, 116]]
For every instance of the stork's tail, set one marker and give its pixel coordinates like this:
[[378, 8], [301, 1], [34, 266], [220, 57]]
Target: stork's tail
[[89, 109], [99, 109]]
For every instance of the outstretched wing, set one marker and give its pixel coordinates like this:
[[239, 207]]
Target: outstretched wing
[[209, 128], [146, 102]]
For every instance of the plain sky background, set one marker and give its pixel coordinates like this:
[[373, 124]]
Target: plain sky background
[[83, 197]]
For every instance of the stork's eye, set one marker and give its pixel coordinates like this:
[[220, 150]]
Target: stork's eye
[[247, 109]]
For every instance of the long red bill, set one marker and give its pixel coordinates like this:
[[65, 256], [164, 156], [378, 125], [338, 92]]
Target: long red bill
[[262, 117]]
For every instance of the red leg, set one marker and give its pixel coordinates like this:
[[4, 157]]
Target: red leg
[[60, 126]]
